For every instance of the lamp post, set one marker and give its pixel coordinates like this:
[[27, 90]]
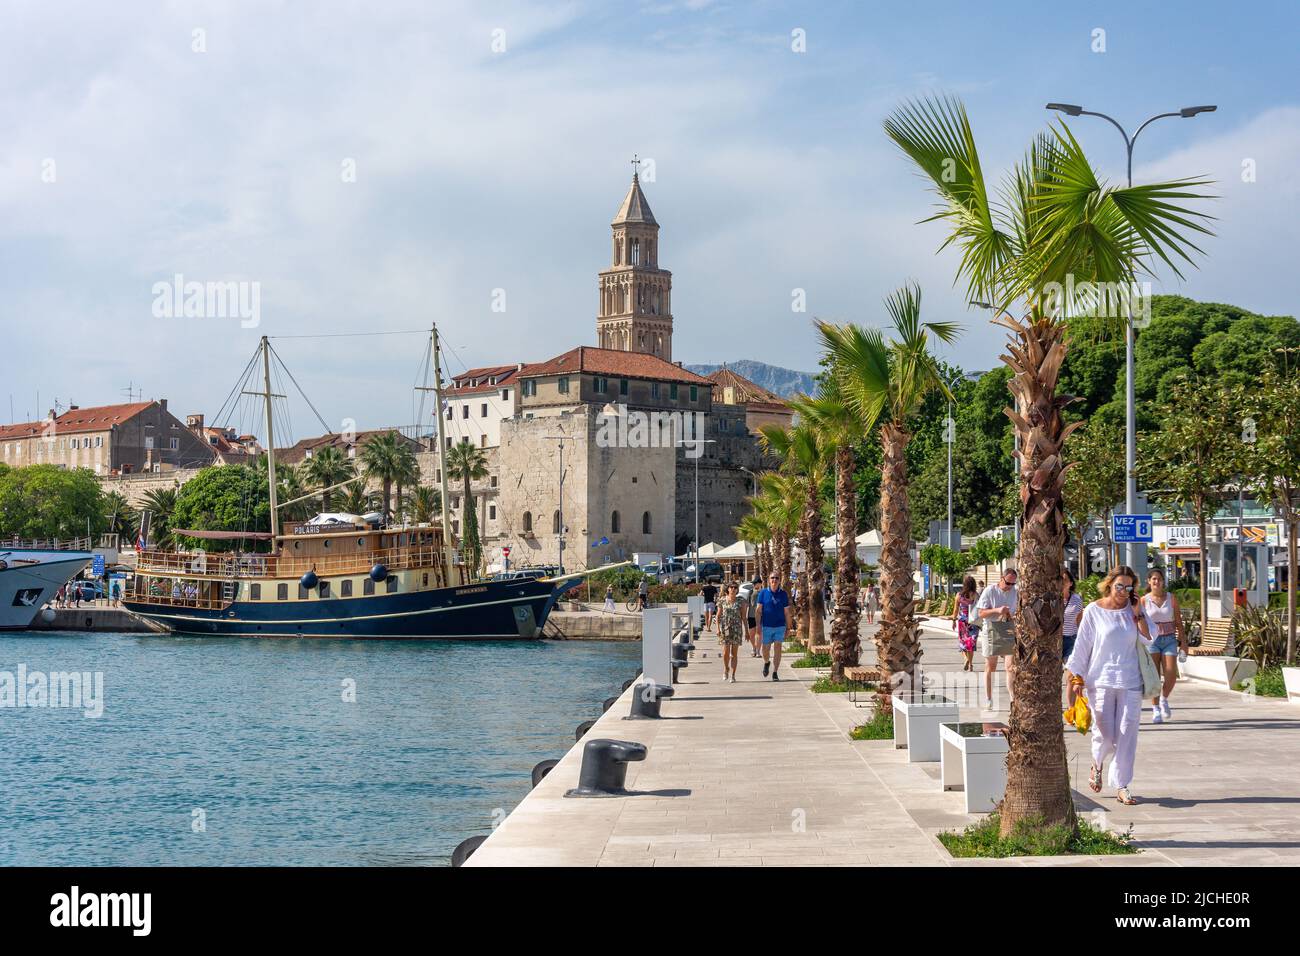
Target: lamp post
[[1130, 417], [697, 443], [561, 439]]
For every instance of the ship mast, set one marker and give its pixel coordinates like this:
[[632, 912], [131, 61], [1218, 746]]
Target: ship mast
[[442, 447], [270, 439]]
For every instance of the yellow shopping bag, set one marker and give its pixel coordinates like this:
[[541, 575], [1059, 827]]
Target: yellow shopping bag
[[1079, 714]]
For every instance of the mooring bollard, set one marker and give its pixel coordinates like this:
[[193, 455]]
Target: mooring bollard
[[604, 767], [465, 849], [542, 769], [645, 701], [583, 727]]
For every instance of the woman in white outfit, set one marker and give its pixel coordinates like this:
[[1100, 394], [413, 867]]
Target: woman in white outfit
[[1165, 620], [1112, 657]]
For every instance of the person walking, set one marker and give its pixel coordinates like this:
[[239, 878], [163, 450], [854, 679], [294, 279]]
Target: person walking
[[774, 618], [642, 593], [710, 594], [872, 602], [1165, 624], [731, 629], [996, 608], [116, 592], [754, 634], [1070, 613], [609, 599], [1111, 659], [962, 615]]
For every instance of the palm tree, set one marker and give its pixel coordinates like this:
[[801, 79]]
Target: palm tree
[[290, 488], [886, 384], [161, 504], [841, 427], [327, 467], [382, 461], [426, 504], [406, 473], [1054, 246], [753, 528], [466, 461], [805, 456], [122, 518], [778, 505], [356, 500]]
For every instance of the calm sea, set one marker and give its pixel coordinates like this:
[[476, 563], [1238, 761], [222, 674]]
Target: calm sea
[[215, 751]]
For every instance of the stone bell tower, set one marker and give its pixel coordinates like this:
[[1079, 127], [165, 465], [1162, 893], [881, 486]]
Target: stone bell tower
[[635, 312]]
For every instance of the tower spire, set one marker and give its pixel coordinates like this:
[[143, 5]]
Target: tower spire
[[635, 309]]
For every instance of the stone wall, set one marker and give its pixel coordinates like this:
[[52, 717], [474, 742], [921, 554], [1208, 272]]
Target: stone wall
[[135, 487]]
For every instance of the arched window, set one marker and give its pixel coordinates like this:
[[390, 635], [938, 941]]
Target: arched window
[[555, 523], [613, 523], [645, 523], [528, 521]]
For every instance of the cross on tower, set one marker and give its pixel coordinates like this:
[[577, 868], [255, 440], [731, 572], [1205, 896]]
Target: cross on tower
[[636, 166]]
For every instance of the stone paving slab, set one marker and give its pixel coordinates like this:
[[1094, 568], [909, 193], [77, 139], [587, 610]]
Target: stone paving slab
[[763, 773]]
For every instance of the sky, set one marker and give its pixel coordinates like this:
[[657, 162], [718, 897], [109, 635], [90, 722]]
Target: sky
[[375, 167]]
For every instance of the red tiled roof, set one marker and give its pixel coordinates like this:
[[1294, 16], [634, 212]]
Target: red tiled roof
[[98, 419], [613, 362], [504, 375], [746, 392]]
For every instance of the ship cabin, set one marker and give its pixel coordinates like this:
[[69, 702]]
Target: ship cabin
[[310, 562]]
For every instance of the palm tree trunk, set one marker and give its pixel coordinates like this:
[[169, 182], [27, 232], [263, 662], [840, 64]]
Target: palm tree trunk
[[1038, 783], [898, 639], [815, 606], [388, 497], [844, 626]]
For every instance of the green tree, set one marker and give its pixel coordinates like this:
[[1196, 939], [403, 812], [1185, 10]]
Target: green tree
[[383, 461], [1094, 483], [1191, 462], [160, 504], [1055, 235], [327, 467], [426, 504], [223, 498], [120, 518], [45, 501], [1272, 410], [467, 464]]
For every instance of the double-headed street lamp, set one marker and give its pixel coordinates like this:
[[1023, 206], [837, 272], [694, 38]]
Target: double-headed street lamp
[[950, 437], [698, 444], [561, 439], [1130, 436]]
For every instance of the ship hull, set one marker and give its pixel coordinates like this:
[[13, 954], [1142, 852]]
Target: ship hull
[[491, 610], [31, 579]]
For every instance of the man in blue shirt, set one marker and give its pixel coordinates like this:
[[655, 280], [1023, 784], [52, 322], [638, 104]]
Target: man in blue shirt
[[774, 608]]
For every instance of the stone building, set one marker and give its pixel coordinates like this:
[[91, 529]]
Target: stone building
[[108, 439], [635, 302]]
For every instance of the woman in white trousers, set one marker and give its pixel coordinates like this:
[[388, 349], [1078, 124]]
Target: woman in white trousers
[[1108, 657]]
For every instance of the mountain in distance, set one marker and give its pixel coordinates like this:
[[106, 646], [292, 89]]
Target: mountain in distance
[[783, 381]]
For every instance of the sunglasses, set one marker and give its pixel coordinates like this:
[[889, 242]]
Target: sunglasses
[[1121, 587]]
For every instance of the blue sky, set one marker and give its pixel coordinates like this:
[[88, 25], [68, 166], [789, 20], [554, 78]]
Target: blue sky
[[479, 170]]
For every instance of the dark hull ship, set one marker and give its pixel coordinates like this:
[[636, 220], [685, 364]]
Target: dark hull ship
[[344, 578]]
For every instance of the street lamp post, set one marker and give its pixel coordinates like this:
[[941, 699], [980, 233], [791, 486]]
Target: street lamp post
[[1136, 549], [697, 443], [561, 439]]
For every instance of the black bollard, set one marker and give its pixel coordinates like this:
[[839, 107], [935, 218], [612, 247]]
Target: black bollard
[[604, 767], [542, 769], [465, 849], [645, 701], [583, 727]]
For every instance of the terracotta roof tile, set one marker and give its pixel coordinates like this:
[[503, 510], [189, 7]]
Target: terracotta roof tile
[[613, 362]]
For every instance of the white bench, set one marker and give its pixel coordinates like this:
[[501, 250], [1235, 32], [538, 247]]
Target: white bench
[[1218, 669], [973, 757], [917, 716]]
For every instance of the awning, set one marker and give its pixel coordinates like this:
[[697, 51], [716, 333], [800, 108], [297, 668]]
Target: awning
[[224, 535]]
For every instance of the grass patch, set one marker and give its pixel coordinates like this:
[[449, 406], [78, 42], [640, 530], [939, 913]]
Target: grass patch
[[1269, 682], [792, 647], [824, 685], [879, 727], [981, 839], [817, 660]]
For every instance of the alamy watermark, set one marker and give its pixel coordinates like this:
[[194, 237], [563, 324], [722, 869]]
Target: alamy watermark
[[83, 689], [179, 299], [633, 428], [1099, 299]]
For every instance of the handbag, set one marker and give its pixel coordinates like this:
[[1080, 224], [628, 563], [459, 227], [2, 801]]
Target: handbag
[[1151, 682]]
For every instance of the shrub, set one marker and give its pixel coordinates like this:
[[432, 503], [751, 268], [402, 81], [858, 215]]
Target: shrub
[[813, 660], [1028, 839], [879, 727], [1087, 588], [1258, 635], [1269, 682]]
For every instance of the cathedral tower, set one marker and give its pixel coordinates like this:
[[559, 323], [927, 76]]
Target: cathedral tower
[[635, 311]]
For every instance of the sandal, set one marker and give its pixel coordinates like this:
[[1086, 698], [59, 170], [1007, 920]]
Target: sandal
[[1094, 780], [1126, 798]]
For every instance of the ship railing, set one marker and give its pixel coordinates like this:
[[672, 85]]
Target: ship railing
[[45, 544], [225, 567], [143, 596]]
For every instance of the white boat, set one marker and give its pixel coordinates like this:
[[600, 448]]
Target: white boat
[[31, 573]]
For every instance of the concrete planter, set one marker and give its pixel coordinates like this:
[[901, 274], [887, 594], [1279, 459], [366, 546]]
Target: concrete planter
[[1291, 675], [1225, 671]]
